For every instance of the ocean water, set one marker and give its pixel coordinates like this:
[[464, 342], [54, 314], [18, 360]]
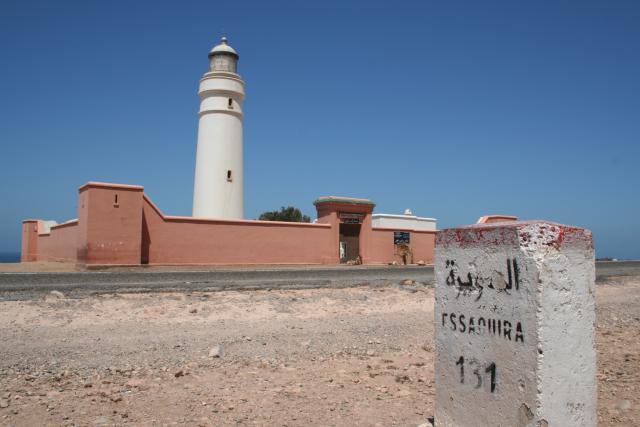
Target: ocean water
[[9, 257]]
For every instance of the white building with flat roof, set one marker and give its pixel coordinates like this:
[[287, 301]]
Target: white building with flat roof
[[407, 221]]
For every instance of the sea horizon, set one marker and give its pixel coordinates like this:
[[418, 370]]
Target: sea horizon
[[6, 257]]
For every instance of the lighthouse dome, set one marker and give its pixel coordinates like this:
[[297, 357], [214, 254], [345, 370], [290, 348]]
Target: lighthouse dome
[[223, 58], [223, 48]]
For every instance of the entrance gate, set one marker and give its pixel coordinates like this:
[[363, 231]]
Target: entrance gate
[[351, 222], [349, 242]]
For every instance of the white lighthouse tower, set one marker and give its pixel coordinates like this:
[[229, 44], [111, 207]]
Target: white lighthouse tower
[[218, 191]]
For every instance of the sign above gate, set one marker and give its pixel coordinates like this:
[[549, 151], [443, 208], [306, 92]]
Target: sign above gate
[[351, 218]]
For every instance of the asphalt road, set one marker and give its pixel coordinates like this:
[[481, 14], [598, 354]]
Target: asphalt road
[[76, 284]]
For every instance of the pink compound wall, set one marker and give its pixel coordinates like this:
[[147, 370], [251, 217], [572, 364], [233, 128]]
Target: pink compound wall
[[383, 250], [29, 250], [60, 244], [119, 225], [110, 218], [185, 240]]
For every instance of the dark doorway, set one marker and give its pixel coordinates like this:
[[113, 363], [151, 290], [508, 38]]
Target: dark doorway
[[349, 242], [146, 241]]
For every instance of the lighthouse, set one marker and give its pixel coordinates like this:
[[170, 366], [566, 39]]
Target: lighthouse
[[218, 190]]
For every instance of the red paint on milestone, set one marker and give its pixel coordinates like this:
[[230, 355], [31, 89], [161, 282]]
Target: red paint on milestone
[[494, 234], [471, 235], [567, 233]]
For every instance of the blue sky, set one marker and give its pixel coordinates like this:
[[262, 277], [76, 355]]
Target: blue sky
[[455, 109]]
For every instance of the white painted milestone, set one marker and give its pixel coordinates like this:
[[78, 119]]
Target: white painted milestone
[[515, 325]]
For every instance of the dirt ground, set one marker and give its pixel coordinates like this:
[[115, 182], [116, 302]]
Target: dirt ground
[[331, 357]]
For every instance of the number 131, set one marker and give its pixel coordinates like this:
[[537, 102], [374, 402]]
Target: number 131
[[491, 368]]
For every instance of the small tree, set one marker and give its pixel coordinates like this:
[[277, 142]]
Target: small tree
[[289, 214]]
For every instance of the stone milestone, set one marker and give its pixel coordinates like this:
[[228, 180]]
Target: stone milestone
[[515, 325]]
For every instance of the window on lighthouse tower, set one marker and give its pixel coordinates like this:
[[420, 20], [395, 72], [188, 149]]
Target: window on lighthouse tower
[[229, 176]]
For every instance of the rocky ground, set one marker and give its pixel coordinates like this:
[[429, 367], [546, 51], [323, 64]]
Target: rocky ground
[[359, 356]]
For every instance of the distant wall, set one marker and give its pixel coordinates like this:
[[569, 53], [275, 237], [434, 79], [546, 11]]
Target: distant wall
[[383, 249], [29, 249], [488, 219], [423, 246], [119, 224], [186, 240], [60, 244]]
